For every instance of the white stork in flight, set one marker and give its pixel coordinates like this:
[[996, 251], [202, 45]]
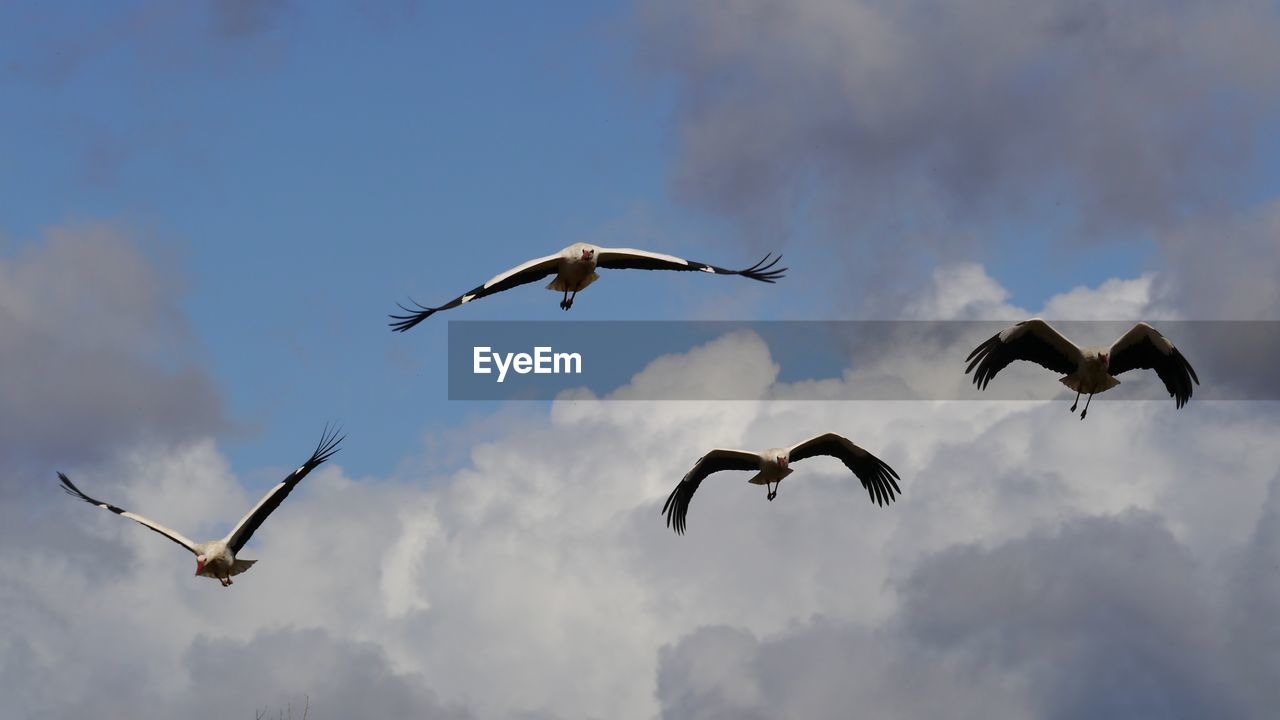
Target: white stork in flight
[[217, 558], [773, 464], [1089, 369], [574, 269]]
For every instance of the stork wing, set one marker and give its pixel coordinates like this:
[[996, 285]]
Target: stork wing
[[1144, 347], [1033, 340], [677, 505], [531, 271], [879, 479], [173, 535], [244, 529], [629, 259]]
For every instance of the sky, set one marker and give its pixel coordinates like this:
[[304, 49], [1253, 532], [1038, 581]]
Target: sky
[[209, 209]]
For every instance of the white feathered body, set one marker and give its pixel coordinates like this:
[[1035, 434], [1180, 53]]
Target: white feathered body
[[574, 271], [1091, 375], [771, 471], [219, 561]]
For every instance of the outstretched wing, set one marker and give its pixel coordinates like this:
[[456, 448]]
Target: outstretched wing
[[629, 259], [531, 271], [878, 478], [1144, 347], [244, 529], [173, 535], [677, 505], [1033, 340]]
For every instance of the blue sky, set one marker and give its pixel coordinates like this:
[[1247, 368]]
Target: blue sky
[[305, 176]]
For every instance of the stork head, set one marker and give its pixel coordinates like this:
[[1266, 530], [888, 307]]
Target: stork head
[[782, 461], [200, 561], [1106, 359], [588, 254]]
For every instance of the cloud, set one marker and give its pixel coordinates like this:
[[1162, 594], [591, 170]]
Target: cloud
[[1105, 616], [538, 579], [893, 137], [916, 115], [962, 291], [337, 678], [96, 352], [1223, 267]]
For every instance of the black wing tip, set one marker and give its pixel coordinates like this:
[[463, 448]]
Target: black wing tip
[[415, 316], [676, 507], [69, 487], [328, 445], [989, 342], [978, 359], [763, 270]]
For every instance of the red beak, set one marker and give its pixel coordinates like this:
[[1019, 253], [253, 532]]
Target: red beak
[[199, 566]]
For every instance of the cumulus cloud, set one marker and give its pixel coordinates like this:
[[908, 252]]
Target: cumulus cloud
[[539, 580], [336, 678], [1104, 616]]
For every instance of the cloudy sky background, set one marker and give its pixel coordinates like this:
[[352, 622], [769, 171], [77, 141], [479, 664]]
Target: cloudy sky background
[[209, 209]]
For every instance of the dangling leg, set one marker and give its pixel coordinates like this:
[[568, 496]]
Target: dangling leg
[[571, 297], [564, 301], [773, 490], [1077, 402], [1086, 406]]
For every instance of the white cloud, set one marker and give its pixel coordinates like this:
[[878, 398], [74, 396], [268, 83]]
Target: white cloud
[[540, 579]]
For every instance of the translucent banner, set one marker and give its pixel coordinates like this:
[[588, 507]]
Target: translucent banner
[[823, 360]]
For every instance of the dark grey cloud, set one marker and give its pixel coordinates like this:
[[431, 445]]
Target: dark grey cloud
[[271, 672], [1224, 266], [339, 678], [932, 119], [1104, 617], [96, 352], [1254, 593], [1108, 617]]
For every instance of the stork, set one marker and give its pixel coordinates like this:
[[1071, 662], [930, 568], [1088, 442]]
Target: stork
[[574, 269], [774, 464], [217, 558], [1089, 369]]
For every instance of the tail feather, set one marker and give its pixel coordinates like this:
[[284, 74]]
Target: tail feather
[[558, 283], [1075, 382]]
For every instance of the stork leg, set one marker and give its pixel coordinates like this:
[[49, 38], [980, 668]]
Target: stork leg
[[773, 490], [565, 302], [1086, 406], [1077, 402], [226, 581], [571, 297]]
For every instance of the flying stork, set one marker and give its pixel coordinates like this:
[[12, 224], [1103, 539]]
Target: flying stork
[[774, 464], [1090, 369], [217, 558], [574, 269]]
